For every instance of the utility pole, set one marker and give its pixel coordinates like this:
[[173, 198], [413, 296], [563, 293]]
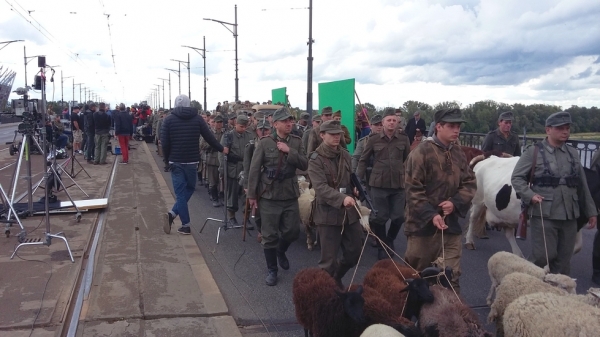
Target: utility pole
[[163, 86], [170, 91], [202, 52], [178, 75], [309, 93], [235, 35], [189, 79], [62, 93]]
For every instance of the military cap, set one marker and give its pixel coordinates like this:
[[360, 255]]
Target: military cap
[[263, 124], [388, 112], [317, 118], [559, 118], [449, 116], [259, 115], [331, 127], [75, 107], [218, 118], [327, 110], [506, 116], [305, 116], [269, 113], [281, 114], [231, 116], [338, 113], [242, 120], [376, 119]]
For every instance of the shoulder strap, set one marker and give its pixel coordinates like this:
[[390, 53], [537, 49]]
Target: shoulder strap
[[314, 155], [533, 163]]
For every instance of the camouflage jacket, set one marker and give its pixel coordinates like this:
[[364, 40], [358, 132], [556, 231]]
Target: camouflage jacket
[[435, 174], [282, 183]]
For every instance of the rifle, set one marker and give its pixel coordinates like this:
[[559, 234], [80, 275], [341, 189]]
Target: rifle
[[362, 192], [522, 228]]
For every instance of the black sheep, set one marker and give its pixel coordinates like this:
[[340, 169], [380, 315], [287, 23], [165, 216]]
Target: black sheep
[[322, 308]]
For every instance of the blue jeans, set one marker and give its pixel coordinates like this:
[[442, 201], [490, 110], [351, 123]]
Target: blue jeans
[[61, 141], [184, 183]]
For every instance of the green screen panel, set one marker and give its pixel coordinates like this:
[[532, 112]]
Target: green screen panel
[[340, 96], [279, 95]]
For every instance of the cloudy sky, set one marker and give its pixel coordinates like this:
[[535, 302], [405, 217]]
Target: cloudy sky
[[535, 51]]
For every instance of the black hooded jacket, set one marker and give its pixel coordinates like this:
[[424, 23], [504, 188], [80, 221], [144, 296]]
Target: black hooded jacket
[[180, 136]]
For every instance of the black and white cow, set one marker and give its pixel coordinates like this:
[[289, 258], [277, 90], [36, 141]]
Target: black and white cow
[[495, 200]]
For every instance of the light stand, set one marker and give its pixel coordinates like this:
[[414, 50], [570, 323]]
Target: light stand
[[49, 236], [225, 226]]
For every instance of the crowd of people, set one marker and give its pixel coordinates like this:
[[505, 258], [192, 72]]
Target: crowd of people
[[418, 179]]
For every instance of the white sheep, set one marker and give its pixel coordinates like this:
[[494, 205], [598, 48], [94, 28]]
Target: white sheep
[[504, 263], [304, 204], [381, 330], [550, 315], [516, 285]]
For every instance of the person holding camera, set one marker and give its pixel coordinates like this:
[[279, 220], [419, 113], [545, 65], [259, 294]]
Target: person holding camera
[[180, 140]]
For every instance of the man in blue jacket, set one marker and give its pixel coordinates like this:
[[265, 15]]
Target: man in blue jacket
[[180, 138]]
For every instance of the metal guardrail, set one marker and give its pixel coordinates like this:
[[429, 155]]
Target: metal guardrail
[[586, 148]]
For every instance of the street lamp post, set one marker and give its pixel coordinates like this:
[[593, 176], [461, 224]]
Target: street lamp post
[[189, 80], [309, 93], [158, 95], [163, 86], [62, 93], [202, 52], [178, 75], [235, 35]]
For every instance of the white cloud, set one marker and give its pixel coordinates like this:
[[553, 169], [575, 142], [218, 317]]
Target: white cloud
[[469, 50]]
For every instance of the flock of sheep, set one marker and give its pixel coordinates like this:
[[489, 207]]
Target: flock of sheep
[[395, 300]]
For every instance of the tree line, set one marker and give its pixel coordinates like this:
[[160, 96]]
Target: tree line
[[482, 116]]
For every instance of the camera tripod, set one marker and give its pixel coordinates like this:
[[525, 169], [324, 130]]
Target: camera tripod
[[225, 226]]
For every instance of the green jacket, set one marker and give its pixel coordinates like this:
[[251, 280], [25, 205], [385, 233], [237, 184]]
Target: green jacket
[[495, 140], [267, 157], [561, 202], [435, 174], [212, 155], [389, 157], [236, 143]]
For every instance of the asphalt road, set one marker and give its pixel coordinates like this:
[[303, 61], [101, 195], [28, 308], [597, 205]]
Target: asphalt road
[[239, 269]]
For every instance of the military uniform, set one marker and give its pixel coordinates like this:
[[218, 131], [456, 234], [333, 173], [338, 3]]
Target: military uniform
[[248, 154], [436, 173], [560, 179], [314, 140], [497, 141], [338, 226], [360, 146], [236, 142], [386, 181], [307, 132], [212, 164], [273, 184]]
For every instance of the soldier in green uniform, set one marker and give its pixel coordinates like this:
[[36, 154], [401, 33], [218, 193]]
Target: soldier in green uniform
[[316, 121], [314, 140], [263, 129], [235, 140], [274, 186], [376, 128], [212, 161], [401, 120], [389, 149], [439, 190], [502, 139], [335, 214], [560, 187], [302, 125]]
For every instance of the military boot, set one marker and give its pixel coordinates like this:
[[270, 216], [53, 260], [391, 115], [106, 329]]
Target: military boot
[[232, 220], [282, 247], [271, 258], [215, 197], [339, 273]]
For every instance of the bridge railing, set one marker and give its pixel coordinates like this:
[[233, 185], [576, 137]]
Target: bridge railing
[[586, 148]]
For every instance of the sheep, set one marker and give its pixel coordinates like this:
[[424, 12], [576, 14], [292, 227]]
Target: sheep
[[518, 284], [305, 205], [324, 310], [550, 315], [405, 290], [448, 317], [504, 263], [381, 330]]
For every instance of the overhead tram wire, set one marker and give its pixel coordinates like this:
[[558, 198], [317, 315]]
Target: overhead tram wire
[[112, 52]]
